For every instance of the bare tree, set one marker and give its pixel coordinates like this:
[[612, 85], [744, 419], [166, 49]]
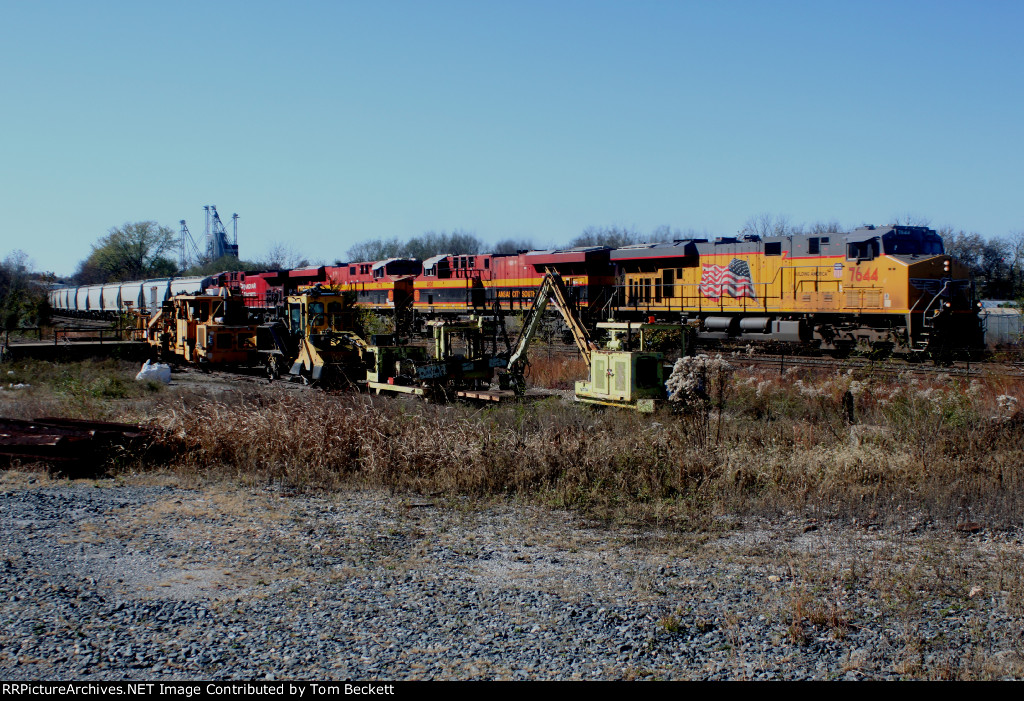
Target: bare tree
[[375, 249], [767, 224], [825, 227], [513, 245], [611, 236], [281, 256], [908, 219], [423, 246], [432, 243]]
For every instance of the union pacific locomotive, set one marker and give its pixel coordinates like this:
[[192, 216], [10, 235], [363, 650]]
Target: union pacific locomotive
[[890, 288], [886, 287]]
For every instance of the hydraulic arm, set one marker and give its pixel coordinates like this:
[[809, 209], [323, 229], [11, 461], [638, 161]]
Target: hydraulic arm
[[551, 287]]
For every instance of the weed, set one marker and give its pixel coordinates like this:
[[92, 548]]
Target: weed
[[671, 624]]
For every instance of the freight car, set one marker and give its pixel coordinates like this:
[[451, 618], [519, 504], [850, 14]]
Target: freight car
[[108, 300], [887, 288]]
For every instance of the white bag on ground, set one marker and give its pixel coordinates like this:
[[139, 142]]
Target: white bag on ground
[[159, 372]]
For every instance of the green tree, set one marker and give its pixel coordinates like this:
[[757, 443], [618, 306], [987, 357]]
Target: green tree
[[967, 248], [133, 251], [22, 292], [995, 262]]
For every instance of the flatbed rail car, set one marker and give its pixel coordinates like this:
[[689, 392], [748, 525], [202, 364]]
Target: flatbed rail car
[[888, 288]]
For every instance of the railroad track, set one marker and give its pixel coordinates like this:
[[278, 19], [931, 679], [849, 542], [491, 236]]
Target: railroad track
[[990, 368], [89, 323], [887, 366]]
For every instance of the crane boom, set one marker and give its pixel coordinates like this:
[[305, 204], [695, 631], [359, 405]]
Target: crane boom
[[551, 287]]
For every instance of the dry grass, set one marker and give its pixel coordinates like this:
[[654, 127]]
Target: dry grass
[[920, 450], [929, 451], [556, 371]]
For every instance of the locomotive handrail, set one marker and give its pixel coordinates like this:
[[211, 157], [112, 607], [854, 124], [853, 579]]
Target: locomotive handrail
[[938, 294], [641, 302]]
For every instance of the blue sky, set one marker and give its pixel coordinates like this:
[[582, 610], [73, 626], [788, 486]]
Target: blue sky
[[327, 123]]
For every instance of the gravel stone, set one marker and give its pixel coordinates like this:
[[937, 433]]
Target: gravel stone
[[142, 577]]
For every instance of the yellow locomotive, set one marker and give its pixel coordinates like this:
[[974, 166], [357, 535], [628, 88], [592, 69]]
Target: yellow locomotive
[[888, 288]]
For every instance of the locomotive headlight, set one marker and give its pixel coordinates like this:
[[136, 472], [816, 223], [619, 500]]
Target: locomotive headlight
[[948, 305], [945, 265]]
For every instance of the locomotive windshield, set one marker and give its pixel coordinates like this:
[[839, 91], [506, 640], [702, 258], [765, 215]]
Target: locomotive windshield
[[903, 242], [862, 250]]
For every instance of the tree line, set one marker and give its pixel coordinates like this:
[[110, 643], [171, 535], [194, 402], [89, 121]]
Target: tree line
[[997, 263]]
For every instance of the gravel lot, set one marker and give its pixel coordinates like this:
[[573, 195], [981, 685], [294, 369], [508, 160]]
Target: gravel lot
[[151, 578]]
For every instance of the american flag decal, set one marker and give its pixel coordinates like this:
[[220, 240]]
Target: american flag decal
[[733, 280]]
